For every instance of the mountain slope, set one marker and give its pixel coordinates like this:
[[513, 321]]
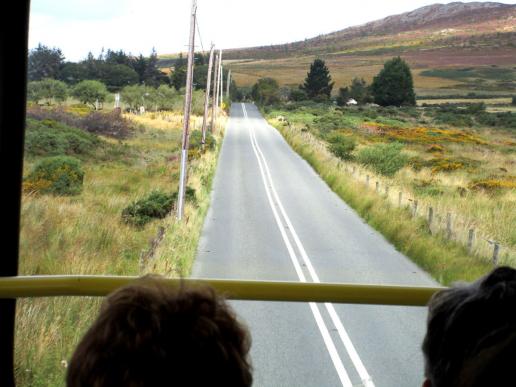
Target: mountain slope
[[432, 25], [454, 35]]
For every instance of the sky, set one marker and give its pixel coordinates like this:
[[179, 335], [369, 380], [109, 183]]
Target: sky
[[80, 26]]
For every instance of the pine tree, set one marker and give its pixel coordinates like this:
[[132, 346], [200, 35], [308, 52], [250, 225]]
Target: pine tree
[[318, 82], [394, 84]]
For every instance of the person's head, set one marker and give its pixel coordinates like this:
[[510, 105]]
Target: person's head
[[150, 335], [471, 333]]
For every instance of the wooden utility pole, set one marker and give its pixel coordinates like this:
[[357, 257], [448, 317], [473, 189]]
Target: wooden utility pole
[[214, 99], [229, 82], [186, 117], [207, 97]]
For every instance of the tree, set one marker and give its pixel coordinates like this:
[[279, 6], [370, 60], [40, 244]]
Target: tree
[[116, 76], [152, 76], [178, 77], [139, 65], [394, 84], [73, 73], [359, 91], [88, 92], [318, 84], [344, 96], [266, 91], [49, 89], [44, 62]]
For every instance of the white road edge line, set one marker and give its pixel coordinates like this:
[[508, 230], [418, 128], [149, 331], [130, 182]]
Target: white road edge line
[[330, 345], [346, 340]]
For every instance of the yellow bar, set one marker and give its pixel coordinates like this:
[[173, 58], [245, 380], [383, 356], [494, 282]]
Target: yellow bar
[[52, 286]]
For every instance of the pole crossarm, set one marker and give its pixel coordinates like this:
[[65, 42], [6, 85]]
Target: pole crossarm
[[54, 286]]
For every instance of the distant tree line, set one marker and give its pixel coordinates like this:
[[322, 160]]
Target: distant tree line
[[393, 86], [115, 69], [140, 80]]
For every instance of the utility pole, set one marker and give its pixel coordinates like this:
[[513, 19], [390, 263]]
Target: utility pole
[[207, 96], [214, 100], [186, 117], [229, 81]]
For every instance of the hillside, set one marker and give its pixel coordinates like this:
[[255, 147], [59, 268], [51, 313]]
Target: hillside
[[433, 39]]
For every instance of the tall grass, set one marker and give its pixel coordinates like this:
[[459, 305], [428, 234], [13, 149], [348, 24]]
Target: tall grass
[[85, 235]]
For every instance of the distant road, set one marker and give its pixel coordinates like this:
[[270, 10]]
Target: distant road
[[273, 218]]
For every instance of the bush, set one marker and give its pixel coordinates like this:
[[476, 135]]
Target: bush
[[386, 159], [196, 138], [156, 205], [341, 146], [111, 124], [51, 138], [60, 175]]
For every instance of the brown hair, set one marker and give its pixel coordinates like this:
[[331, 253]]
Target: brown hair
[[150, 335], [471, 335]]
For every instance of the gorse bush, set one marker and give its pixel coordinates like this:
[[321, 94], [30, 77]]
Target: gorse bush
[[341, 146], [386, 159], [156, 205], [60, 175], [51, 138]]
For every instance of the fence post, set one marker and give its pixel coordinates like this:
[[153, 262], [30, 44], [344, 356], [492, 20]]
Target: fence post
[[415, 208], [471, 235], [448, 226], [430, 218], [400, 195], [496, 250], [377, 186]]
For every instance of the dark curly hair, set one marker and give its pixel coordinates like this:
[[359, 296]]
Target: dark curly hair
[[151, 335], [471, 333]]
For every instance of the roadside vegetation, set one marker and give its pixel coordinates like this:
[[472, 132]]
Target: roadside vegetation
[[94, 199], [456, 159]]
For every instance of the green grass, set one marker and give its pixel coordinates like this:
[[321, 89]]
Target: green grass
[[492, 73], [85, 234]]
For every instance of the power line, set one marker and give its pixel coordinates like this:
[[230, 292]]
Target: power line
[[199, 33]]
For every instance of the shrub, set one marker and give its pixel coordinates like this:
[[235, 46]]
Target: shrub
[[494, 183], [156, 205], [111, 124], [386, 159], [341, 146], [51, 138], [60, 175]]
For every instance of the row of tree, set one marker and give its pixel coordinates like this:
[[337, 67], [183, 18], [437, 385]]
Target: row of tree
[[392, 86], [114, 69]]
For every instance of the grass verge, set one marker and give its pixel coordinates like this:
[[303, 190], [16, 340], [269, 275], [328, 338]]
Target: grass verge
[[446, 261], [85, 234]]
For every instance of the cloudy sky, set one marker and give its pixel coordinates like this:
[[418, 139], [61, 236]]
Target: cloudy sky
[[80, 26]]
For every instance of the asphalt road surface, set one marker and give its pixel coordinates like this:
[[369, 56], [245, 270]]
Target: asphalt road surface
[[273, 218]]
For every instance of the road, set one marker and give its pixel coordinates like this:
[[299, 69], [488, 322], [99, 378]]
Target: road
[[273, 218]]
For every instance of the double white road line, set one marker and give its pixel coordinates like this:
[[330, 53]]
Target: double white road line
[[283, 222]]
